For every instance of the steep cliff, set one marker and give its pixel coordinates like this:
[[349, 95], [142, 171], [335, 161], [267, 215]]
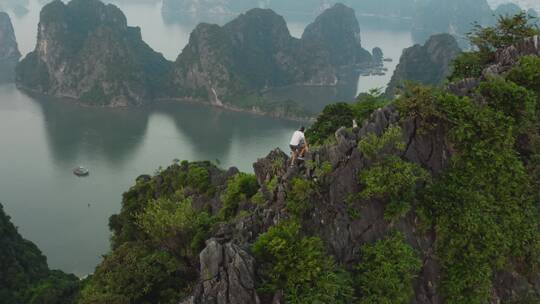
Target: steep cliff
[[26, 278], [427, 64], [9, 51], [232, 64], [86, 51]]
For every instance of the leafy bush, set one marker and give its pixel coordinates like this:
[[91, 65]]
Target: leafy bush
[[58, 287], [339, 115], [298, 200], [240, 188], [366, 103], [486, 40], [136, 273], [395, 180], [198, 178], [372, 145], [513, 100], [421, 104], [300, 267], [467, 65], [332, 118], [527, 73], [386, 271], [177, 226], [171, 184]]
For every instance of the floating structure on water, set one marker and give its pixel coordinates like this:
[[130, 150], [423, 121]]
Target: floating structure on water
[[81, 171]]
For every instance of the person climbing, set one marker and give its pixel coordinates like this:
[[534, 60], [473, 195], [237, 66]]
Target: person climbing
[[298, 144]]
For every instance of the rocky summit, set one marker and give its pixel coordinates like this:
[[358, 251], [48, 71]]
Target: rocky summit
[[85, 51], [9, 51], [427, 64]]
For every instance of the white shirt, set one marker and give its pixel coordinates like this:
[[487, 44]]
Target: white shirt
[[297, 138]]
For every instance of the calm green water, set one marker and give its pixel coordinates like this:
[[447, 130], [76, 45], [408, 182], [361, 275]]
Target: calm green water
[[41, 142]]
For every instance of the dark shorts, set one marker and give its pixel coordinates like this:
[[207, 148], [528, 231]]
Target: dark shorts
[[295, 148]]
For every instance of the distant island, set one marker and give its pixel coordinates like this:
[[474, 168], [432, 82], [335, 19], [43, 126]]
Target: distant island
[[428, 64], [179, 10], [86, 52]]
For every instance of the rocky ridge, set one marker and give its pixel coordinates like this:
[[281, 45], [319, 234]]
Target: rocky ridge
[[329, 218], [9, 51]]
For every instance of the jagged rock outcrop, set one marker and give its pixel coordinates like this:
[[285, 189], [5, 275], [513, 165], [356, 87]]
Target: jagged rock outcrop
[[256, 52], [86, 51], [9, 51], [227, 276], [426, 64]]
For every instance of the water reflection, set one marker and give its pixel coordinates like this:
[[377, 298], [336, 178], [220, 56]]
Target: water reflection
[[212, 133], [74, 132]]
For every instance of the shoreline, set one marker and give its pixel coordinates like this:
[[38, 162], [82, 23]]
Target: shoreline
[[35, 94]]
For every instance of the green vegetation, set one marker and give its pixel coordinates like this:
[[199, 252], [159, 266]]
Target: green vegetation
[[373, 146], [240, 188], [386, 271], [486, 40], [390, 178], [176, 226], [394, 180], [198, 178], [137, 273], [300, 267], [511, 99], [339, 115], [482, 199], [25, 276], [298, 200], [157, 238]]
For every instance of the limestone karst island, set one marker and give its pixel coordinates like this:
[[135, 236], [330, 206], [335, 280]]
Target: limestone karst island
[[269, 152]]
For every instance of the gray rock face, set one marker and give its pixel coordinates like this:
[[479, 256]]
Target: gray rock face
[[427, 64], [86, 51], [9, 51], [227, 276]]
